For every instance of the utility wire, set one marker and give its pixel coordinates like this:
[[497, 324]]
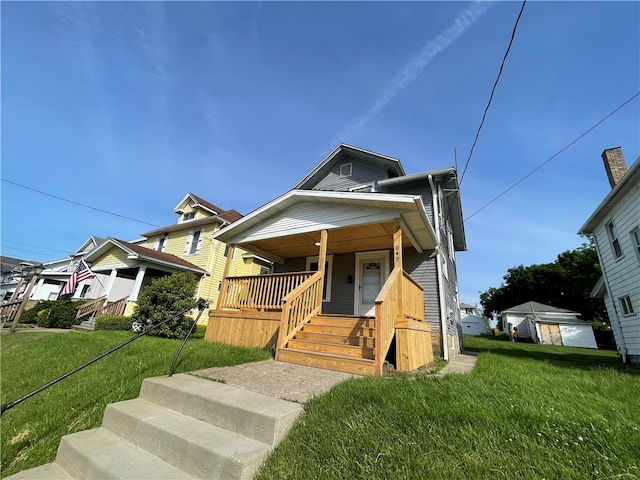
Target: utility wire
[[484, 115], [551, 158], [31, 245], [80, 204]]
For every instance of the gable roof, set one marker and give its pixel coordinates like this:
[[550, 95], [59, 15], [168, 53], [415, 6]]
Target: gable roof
[[338, 154], [137, 252], [536, 307], [301, 212], [627, 184], [91, 243], [198, 202]]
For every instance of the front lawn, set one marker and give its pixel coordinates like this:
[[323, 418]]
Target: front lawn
[[526, 411], [30, 431]]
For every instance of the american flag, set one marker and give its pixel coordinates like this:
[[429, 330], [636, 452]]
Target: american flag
[[82, 273]]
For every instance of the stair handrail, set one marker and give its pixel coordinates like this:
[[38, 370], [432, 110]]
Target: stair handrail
[[115, 308], [299, 306], [92, 306], [389, 309], [8, 311], [201, 305]]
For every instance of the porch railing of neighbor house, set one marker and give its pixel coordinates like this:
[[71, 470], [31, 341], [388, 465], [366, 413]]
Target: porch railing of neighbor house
[[200, 304], [262, 292], [299, 307], [8, 311], [90, 307], [115, 308], [412, 298]]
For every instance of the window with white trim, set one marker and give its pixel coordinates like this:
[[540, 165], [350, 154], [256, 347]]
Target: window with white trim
[[194, 240], [188, 216], [161, 243], [346, 170], [614, 240], [635, 240], [627, 306], [312, 266]]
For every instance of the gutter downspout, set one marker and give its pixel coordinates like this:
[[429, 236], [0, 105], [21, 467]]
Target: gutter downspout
[[443, 320], [622, 344]]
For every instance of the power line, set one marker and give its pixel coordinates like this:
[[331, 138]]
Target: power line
[[484, 115], [551, 158], [79, 204], [30, 245]]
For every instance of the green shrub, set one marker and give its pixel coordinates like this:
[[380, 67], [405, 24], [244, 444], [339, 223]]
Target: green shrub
[[199, 331], [162, 299], [52, 314], [114, 322]]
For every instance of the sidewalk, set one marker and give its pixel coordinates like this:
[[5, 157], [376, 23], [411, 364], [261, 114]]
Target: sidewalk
[[6, 330], [299, 383]]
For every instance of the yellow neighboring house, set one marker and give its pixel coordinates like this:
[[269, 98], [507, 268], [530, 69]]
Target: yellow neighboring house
[[123, 268]]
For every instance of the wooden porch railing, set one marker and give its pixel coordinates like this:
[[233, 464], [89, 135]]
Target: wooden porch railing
[[400, 297], [115, 308], [412, 298], [98, 307], [8, 311], [261, 292], [299, 306], [90, 307]]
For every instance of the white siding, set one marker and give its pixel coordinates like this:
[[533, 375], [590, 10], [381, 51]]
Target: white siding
[[313, 216], [622, 274], [473, 325], [577, 336]]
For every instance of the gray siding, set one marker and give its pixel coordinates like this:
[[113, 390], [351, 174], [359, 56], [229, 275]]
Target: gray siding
[[423, 270], [361, 174], [421, 188], [342, 293]]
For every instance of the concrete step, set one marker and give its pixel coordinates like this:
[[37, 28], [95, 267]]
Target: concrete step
[[193, 446], [83, 328], [49, 471], [335, 348], [339, 363], [355, 340], [251, 414], [101, 453]]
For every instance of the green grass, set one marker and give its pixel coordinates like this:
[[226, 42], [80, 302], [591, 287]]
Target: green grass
[[526, 411], [30, 432]]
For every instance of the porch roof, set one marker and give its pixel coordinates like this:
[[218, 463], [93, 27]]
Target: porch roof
[[290, 225], [138, 252]]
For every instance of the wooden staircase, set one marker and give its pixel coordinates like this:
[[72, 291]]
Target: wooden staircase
[[334, 342]]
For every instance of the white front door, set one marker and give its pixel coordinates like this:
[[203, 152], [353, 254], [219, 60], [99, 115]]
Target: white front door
[[372, 270]]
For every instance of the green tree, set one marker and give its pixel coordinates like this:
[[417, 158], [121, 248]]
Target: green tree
[[565, 283], [163, 298]]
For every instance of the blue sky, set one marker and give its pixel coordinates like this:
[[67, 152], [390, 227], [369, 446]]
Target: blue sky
[[127, 106]]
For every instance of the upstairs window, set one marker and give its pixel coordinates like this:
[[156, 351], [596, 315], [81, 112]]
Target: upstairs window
[[615, 241], [627, 306], [345, 170], [635, 240], [188, 216], [192, 247], [161, 243]]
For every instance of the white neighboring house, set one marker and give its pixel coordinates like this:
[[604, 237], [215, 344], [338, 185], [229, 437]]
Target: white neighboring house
[[57, 272], [472, 321], [615, 229], [548, 325]]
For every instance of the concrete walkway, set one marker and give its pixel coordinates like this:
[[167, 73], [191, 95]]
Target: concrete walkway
[[7, 330], [299, 383]]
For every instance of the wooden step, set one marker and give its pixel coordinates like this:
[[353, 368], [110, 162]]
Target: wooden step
[[337, 349], [339, 363], [343, 321], [334, 330], [337, 339]]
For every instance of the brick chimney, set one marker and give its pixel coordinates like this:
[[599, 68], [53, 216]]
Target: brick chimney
[[614, 164]]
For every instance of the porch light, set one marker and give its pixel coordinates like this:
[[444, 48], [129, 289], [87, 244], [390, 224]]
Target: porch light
[[317, 244]]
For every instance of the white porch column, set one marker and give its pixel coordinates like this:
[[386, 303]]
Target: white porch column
[[137, 284], [36, 291], [112, 280]]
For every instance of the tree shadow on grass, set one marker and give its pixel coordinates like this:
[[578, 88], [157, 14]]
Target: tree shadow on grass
[[569, 357]]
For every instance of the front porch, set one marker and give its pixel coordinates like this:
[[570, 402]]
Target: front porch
[[287, 311]]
